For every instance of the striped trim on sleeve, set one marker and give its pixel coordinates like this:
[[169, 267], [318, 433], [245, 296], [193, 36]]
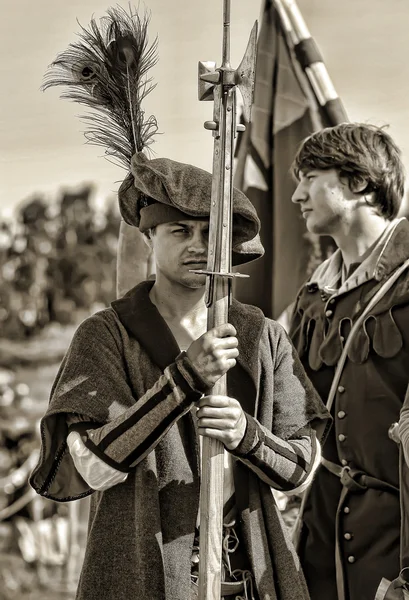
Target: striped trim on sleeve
[[124, 442], [283, 465]]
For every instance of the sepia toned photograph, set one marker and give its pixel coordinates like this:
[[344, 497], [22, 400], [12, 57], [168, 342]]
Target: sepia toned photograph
[[204, 287]]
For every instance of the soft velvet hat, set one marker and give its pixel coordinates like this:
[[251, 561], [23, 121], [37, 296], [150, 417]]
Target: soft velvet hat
[[163, 190]]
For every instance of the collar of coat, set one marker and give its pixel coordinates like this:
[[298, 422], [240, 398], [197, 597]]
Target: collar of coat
[[142, 320], [391, 250]]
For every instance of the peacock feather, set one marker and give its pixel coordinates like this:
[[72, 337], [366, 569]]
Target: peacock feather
[[107, 71]]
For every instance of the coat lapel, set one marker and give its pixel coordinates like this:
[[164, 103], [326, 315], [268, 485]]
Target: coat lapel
[[243, 379], [142, 320]]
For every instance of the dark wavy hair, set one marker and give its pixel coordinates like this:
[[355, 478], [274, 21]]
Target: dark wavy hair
[[359, 152]]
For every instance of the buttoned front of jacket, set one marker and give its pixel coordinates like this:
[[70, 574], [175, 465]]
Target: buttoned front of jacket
[[368, 400]]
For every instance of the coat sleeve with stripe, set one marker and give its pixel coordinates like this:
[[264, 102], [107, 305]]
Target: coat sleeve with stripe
[[122, 443]]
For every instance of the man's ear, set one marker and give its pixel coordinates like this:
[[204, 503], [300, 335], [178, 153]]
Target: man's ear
[[358, 185]]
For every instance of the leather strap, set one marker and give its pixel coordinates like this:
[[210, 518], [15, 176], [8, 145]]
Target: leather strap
[[356, 480], [228, 588]]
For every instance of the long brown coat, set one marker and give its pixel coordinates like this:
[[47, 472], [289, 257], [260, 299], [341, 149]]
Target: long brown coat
[[369, 398], [141, 532]]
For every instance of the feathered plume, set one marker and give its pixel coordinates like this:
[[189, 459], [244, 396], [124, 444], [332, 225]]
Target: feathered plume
[[107, 71]]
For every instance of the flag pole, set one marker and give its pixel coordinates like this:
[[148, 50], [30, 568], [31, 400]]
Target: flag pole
[[311, 61]]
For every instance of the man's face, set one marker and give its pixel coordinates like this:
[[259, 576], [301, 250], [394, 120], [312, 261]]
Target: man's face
[[325, 201], [179, 247]]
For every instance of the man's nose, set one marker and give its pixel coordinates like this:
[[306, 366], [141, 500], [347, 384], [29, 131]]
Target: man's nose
[[198, 242], [300, 194]]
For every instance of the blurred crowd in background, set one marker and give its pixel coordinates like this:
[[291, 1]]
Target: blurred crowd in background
[[55, 260], [57, 266]]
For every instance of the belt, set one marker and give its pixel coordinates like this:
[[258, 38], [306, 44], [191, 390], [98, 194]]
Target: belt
[[355, 481], [232, 588], [227, 588]]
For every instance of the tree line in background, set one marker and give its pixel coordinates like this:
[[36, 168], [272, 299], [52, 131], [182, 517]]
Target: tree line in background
[[56, 262]]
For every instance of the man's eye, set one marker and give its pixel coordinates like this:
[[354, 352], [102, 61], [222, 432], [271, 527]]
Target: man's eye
[[179, 231]]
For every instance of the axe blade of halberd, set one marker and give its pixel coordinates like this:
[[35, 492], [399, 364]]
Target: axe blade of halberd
[[245, 74]]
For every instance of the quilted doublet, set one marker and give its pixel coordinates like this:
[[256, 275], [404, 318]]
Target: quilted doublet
[[322, 323]]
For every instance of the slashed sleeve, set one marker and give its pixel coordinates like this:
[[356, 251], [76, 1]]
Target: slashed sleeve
[[283, 446], [117, 427]]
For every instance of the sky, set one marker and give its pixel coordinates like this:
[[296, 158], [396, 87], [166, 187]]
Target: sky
[[42, 149]]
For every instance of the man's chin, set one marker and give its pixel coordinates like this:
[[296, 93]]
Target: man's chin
[[315, 228], [194, 281]]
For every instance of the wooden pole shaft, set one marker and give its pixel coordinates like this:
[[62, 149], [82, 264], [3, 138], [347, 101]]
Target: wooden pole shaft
[[219, 260], [212, 478], [218, 287]]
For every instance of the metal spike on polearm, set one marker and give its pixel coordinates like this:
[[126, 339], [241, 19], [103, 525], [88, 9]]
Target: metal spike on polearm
[[220, 85], [311, 61]]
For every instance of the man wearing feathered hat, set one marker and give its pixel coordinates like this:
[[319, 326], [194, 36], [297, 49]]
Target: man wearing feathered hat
[[131, 402]]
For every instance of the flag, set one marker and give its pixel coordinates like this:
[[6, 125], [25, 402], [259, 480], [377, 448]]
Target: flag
[[284, 112]]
